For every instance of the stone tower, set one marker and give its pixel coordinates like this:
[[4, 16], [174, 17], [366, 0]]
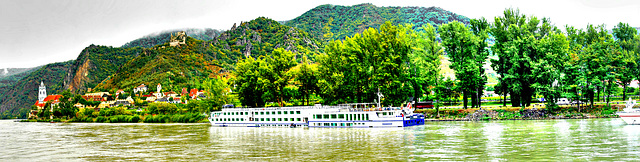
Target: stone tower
[[42, 92]]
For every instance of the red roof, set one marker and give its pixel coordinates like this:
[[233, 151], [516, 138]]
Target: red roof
[[141, 85], [52, 98], [193, 92]]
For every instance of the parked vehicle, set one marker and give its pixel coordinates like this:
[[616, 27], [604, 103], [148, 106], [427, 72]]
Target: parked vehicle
[[563, 101]]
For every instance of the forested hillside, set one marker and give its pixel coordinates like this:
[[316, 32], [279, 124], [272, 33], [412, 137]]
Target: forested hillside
[[162, 37], [13, 75], [327, 22], [95, 63], [17, 100], [174, 67], [259, 37]]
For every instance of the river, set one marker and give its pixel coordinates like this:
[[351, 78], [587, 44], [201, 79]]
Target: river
[[556, 140]]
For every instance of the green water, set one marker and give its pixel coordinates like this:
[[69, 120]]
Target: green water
[[541, 140]]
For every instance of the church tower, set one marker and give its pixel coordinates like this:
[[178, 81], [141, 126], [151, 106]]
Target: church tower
[[42, 92]]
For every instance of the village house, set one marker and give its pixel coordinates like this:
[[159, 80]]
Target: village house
[[140, 88], [98, 96]]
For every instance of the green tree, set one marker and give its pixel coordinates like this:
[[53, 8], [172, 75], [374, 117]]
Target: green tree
[[516, 40], [276, 74], [462, 47], [355, 69], [627, 39], [306, 78], [218, 92], [247, 80], [424, 60]]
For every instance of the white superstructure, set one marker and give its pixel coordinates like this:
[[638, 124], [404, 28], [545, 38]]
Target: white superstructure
[[630, 115], [361, 115]]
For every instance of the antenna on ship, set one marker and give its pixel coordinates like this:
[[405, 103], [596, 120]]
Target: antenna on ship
[[379, 96]]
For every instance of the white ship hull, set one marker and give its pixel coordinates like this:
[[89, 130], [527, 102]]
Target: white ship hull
[[316, 116], [632, 118]]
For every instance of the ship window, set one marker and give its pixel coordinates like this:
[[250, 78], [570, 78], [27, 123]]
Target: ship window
[[261, 113], [319, 116], [279, 119], [367, 117], [290, 112], [279, 112], [286, 119], [326, 116], [268, 119], [267, 113], [241, 119], [334, 116], [292, 119], [273, 119], [342, 124], [359, 117], [299, 119], [297, 112], [384, 113], [256, 113], [261, 119], [341, 116], [285, 112]]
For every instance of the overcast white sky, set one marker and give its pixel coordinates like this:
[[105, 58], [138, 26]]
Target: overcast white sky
[[38, 32]]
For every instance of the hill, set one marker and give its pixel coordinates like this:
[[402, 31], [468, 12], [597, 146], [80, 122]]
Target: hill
[[327, 22], [174, 67], [95, 63], [259, 37], [154, 39], [10, 76], [17, 100]]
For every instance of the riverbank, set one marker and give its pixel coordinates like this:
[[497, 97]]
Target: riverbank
[[147, 118], [598, 111]]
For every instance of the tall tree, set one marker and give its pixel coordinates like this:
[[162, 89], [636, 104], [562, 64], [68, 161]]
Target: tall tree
[[276, 74], [627, 39], [424, 60], [517, 38], [462, 45], [306, 78], [247, 82], [353, 70]]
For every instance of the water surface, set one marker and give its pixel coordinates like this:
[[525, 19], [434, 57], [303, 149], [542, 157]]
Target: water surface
[[556, 140]]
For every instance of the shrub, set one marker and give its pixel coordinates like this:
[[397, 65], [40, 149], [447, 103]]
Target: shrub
[[101, 119]]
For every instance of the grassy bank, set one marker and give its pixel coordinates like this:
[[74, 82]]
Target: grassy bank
[[597, 111]]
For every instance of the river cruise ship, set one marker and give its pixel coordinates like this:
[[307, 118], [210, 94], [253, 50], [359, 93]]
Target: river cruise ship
[[356, 115], [630, 115]]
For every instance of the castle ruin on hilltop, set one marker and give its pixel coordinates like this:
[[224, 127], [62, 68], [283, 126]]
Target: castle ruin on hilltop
[[178, 39]]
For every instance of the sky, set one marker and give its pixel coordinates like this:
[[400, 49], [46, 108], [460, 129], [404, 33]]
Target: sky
[[38, 32]]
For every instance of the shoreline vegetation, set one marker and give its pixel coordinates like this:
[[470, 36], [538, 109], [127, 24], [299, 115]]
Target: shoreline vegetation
[[533, 60]]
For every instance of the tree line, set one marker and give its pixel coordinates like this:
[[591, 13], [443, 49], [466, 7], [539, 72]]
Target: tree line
[[530, 55]]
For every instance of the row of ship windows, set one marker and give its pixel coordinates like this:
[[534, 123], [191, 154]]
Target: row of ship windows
[[260, 119], [348, 117], [337, 124], [262, 113]]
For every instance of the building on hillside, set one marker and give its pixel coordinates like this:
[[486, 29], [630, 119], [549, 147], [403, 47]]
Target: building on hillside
[[170, 94], [178, 39], [43, 98], [193, 93], [120, 91], [184, 92], [140, 88], [151, 99], [98, 96]]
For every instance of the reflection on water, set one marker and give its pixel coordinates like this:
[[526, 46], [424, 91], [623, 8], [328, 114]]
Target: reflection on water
[[557, 140]]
